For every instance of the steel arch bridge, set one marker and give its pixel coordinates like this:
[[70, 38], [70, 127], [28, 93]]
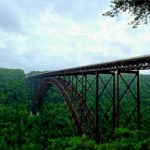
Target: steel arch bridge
[[96, 95]]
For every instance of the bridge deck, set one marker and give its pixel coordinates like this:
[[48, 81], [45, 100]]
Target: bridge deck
[[136, 63]]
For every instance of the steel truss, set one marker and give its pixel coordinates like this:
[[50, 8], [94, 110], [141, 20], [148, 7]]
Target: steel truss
[[123, 116], [99, 100]]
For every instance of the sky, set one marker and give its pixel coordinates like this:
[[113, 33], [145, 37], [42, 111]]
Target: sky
[[57, 34]]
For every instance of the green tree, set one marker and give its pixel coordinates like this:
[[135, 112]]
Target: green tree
[[140, 9]]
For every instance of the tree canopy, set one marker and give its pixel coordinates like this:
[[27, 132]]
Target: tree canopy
[[140, 9], [53, 129]]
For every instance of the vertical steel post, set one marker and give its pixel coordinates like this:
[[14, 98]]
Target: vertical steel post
[[85, 87], [69, 76], [64, 81], [114, 81], [76, 84], [82, 94], [138, 102], [82, 86], [96, 103], [117, 99], [72, 87]]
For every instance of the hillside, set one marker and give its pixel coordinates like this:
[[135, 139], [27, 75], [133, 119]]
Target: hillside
[[53, 128]]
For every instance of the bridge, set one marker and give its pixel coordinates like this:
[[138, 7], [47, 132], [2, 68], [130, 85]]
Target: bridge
[[96, 95]]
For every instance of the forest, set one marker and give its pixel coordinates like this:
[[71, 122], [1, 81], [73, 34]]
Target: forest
[[53, 128]]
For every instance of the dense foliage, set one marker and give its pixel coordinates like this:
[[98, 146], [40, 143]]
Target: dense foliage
[[140, 9], [12, 86], [53, 128]]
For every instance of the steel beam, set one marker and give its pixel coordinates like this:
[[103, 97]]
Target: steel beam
[[116, 99], [97, 108], [138, 103], [138, 63]]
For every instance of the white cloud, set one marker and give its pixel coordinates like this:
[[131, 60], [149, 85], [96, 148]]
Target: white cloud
[[54, 39]]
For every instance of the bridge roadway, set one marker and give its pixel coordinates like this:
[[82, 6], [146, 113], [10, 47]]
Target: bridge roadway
[[135, 63], [109, 89]]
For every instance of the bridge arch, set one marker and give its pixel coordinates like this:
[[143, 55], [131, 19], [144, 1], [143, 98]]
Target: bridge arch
[[58, 83]]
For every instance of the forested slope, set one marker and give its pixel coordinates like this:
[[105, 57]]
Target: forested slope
[[53, 128]]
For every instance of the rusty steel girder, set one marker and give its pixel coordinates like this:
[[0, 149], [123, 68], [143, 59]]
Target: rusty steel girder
[[43, 88], [74, 102], [137, 63], [75, 87]]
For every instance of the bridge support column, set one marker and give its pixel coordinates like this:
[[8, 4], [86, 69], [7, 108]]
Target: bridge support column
[[138, 102], [82, 95], [116, 102], [97, 138], [127, 99]]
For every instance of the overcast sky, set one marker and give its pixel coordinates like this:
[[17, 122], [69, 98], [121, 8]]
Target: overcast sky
[[57, 34]]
